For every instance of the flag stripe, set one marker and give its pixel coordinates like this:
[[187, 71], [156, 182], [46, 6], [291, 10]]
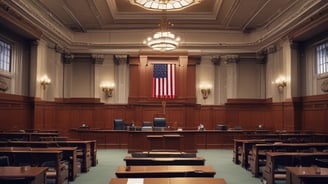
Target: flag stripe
[[163, 81]]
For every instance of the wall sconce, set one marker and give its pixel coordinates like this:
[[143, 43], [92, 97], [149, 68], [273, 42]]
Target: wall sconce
[[107, 88], [281, 83], [205, 90], [45, 81]]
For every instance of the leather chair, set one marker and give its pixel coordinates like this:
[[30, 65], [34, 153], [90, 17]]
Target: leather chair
[[221, 127], [119, 124], [146, 124], [4, 161], [159, 122]]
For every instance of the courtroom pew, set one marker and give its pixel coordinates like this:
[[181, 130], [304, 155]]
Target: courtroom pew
[[22, 135], [129, 160], [87, 150], [69, 155], [257, 154], [26, 156], [306, 175], [242, 148], [276, 163]]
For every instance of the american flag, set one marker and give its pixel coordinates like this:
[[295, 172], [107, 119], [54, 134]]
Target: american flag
[[164, 81]]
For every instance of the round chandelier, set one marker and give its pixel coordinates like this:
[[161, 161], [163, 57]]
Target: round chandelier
[[163, 40], [164, 4]]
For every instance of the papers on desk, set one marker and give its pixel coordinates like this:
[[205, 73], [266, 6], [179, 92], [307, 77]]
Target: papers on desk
[[135, 181]]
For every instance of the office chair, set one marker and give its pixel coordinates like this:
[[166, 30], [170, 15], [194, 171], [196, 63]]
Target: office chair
[[221, 127], [146, 124], [321, 162], [16, 180], [119, 124], [159, 122], [4, 161]]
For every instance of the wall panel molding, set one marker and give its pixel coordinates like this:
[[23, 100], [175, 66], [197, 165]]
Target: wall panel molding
[[307, 113]]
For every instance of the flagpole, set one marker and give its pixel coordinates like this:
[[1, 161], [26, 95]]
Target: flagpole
[[163, 106]]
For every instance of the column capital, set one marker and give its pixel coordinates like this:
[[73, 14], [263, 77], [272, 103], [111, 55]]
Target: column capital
[[68, 58], [35, 43], [216, 60], [231, 58], [120, 59], [271, 49], [98, 58]]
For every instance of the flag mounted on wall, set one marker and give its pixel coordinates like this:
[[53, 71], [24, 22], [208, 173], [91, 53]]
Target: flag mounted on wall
[[164, 81]]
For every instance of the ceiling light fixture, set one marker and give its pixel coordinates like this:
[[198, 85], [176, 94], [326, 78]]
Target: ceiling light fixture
[[164, 4], [163, 40]]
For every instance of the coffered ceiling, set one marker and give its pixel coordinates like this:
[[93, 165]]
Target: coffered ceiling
[[210, 26], [240, 15]]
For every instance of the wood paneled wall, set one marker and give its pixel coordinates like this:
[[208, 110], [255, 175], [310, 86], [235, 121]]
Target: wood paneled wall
[[307, 113], [16, 112], [141, 75]]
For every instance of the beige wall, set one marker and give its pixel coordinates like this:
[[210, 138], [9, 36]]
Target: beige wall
[[246, 78]]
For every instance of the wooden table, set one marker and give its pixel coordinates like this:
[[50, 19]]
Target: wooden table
[[164, 161], [164, 171], [306, 175], [171, 180], [31, 175], [163, 154]]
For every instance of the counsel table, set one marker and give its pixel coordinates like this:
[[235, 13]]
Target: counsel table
[[31, 175], [164, 161], [172, 180], [164, 171]]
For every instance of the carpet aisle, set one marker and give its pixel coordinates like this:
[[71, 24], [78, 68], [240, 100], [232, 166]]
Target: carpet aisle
[[220, 159]]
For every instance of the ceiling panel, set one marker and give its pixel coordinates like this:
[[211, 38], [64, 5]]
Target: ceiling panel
[[210, 20], [269, 11]]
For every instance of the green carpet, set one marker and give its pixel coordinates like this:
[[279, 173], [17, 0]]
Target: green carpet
[[220, 159]]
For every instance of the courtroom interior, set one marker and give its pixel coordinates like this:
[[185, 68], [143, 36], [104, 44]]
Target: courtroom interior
[[176, 91]]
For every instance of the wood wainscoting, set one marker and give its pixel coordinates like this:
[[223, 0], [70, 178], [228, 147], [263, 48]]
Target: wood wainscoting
[[300, 114]]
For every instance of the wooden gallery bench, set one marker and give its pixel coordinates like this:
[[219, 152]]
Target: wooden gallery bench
[[26, 156], [86, 150], [257, 156], [276, 163]]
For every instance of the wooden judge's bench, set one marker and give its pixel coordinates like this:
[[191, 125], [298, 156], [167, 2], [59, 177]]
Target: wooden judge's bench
[[184, 141]]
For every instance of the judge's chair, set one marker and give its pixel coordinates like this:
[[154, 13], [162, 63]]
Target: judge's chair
[[159, 123], [119, 124]]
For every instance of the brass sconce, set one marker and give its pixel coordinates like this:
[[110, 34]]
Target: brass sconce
[[281, 83], [108, 89], [45, 81], [205, 90]]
